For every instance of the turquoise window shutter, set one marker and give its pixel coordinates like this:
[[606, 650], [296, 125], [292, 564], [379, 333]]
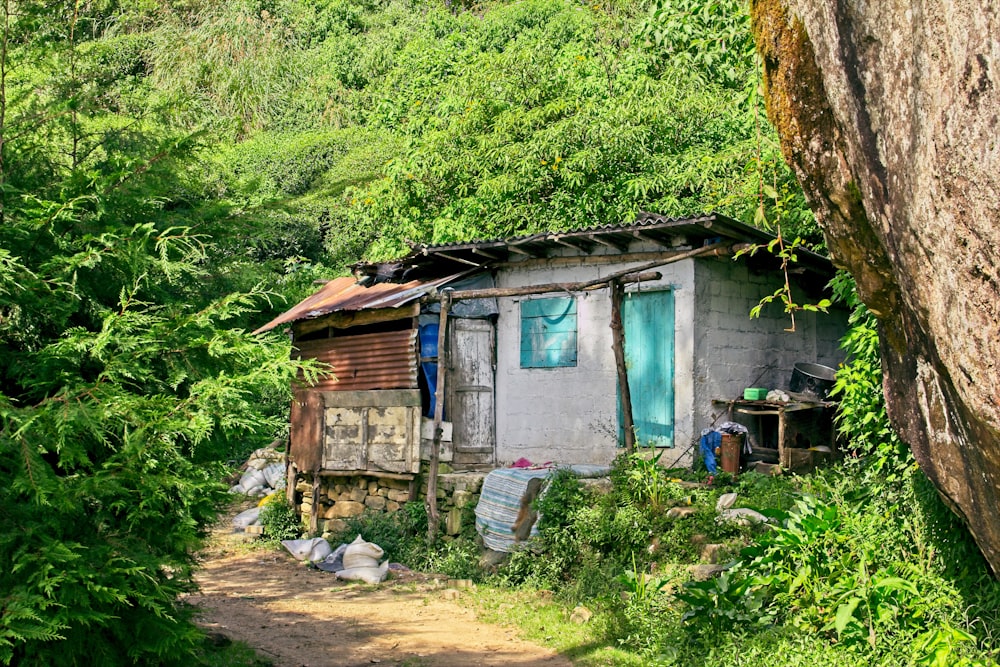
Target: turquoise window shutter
[[548, 332]]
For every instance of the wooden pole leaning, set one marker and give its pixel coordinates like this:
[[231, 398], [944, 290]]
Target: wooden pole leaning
[[433, 517]]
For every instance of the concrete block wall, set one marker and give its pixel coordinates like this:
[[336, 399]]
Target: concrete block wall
[[734, 351], [569, 415]]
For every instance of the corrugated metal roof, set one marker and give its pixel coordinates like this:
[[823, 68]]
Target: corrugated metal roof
[[386, 360], [669, 233], [643, 220], [346, 293]]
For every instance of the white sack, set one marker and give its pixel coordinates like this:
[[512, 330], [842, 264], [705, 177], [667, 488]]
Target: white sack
[[273, 473], [252, 478], [362, 554], [257, 464], [369, 575], [742, 516], [247, 518], [726, 500], [312, 550]]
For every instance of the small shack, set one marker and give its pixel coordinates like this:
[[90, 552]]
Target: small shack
[[559, 346]]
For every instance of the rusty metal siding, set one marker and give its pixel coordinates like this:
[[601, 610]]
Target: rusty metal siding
[[369, 361], [307, 429]]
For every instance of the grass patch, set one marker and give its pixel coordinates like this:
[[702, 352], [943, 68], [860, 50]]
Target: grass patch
[[543, 619]]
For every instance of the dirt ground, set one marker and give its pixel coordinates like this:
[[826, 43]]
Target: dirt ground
[[300, 617]]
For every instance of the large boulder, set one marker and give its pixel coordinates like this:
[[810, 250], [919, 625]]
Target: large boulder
[[888, 112]]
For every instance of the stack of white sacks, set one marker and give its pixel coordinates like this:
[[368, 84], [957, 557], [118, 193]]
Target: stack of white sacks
[[265, 474], [357, 561]]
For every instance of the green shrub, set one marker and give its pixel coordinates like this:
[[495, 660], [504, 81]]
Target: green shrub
[[562, 497], [280, 521], [455, 558]]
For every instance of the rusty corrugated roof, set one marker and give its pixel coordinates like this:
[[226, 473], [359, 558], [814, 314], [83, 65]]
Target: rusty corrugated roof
[[346, 293]]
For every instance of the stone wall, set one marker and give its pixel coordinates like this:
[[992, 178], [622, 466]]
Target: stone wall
[[343, 497]]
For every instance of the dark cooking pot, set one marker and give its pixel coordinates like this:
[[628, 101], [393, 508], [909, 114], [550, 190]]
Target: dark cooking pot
[[812, 379]]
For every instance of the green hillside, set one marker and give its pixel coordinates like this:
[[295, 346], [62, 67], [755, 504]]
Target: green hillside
[[360, 125]]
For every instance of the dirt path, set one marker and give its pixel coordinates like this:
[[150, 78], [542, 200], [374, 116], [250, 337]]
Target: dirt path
[[299, 617]]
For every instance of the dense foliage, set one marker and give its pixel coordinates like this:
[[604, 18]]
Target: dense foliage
[[868, 564], [125, 373], [384, 121], [159, 161], [862, 565]]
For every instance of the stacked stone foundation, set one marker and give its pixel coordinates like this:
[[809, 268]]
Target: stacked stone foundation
[[341, 498]]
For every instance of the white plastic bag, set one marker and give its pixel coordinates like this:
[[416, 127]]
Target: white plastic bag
[[313, 550]]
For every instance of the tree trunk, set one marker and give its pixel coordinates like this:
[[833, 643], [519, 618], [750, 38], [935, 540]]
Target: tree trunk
[[889, 115]]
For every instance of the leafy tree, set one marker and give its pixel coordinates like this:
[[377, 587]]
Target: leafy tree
[[122, 375]]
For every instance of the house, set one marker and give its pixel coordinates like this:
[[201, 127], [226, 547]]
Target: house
[[530, 351]]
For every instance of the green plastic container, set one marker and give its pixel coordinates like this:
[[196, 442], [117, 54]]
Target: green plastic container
[[754, 394]]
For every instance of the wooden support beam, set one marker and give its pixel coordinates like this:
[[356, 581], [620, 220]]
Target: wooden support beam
[[433, 518], [647, 237], [460, 260], [314, 513], [574, 243], [487, 255], [367, 473], [592, 260], [496, 292], [639, 273], [618, 346], [355, 318], [290, 473], [621, 247]]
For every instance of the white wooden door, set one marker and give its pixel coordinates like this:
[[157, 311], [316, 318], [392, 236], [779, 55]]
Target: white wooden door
[[470, 387]]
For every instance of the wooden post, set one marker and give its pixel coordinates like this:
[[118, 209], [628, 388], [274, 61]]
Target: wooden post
[[618, 345], [433, 518], [784, 458], [291, 473], [314, 514]]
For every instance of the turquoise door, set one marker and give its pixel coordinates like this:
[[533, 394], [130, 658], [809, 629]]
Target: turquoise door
[[648, 318]]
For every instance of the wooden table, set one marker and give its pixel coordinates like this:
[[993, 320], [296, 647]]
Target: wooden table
[[780, 411]]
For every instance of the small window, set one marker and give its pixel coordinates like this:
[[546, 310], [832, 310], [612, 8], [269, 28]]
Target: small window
[[548, 333]]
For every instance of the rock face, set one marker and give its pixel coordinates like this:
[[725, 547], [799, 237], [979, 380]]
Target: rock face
[[888, 111]]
